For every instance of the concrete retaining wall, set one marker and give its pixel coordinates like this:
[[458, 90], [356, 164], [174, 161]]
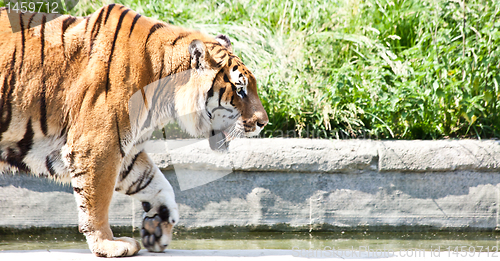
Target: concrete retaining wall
[[292, 184]]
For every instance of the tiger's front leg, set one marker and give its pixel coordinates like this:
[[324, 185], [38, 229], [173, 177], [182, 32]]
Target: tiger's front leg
[[93, 177], [142, 179]]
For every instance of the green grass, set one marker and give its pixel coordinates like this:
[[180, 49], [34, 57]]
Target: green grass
[[356, 69]]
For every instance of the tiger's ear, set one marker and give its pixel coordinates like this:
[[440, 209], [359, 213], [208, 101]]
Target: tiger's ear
[[224, 41], [200, 58]]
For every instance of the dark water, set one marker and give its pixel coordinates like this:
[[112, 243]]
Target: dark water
[[276, 240]]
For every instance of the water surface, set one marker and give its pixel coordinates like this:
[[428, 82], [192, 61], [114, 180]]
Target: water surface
[[277, 240]]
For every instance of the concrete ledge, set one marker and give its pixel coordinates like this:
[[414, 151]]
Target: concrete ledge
[[291, 155], [333, 156], [297, 184], [448, 155]]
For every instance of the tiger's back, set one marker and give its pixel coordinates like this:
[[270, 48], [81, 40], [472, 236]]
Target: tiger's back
[[49, 72]]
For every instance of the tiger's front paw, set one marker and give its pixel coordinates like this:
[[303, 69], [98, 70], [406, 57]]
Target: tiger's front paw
[[157, 227], [119, 247]]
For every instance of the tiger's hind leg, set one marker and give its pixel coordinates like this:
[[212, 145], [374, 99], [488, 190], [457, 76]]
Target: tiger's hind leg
[[143, 180], [93, 177]]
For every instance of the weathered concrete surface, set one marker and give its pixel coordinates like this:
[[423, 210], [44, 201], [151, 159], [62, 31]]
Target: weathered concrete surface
[[448, 155], [304, 184], [264, 255], [332, 156], [291, 155], [466, 200], [26, 201]]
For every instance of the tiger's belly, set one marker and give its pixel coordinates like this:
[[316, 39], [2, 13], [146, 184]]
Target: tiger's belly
[[40, 157]]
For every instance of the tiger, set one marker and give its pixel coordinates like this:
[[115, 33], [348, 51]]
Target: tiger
[[65, 87]]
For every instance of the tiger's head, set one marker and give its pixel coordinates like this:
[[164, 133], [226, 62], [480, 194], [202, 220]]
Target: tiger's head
[[229, 106]]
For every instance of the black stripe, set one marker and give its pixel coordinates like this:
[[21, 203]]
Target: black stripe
[[221, 108], [221, 92], [226, 79], [177, 68], [24, 145], [29, 21], [119, 138], [180, 36], [233, 87], [124, 174], [78, 191], [63, 131], [235, 68], [12, 160], [95, 30], [23, 43], [133, 24], [49, 165], [78, 174], [140, 184], [232, 100], [109, 7], [42, 39], [210, 92], [43, 105], [65, 24], [229, 62], [218, 51], [27, 141], [23, 39], [161, 72], [87, 19], [71, 158], [43, 110], [118, 27], [5, 103], [153, 29], [5, 109], [3, 99]]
